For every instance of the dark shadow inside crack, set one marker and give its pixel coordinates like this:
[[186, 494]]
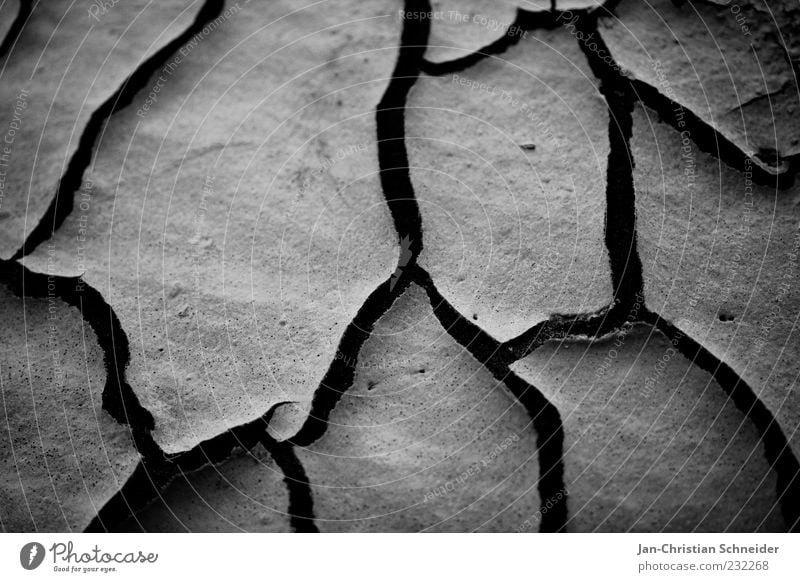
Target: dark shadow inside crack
[[25, 9], [390, 120], [301, 502], [620, 218]]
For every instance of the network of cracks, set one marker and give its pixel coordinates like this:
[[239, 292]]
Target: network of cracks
[[157, 469]]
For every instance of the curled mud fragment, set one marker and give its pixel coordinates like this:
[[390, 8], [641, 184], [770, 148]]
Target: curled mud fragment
[[287, 419]]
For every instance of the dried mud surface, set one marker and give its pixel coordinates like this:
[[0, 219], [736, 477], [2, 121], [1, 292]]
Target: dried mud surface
[[399, 266]]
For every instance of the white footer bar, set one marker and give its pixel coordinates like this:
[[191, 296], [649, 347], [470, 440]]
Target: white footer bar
[[390, 557]]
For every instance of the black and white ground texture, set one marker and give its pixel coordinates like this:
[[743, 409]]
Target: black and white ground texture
[[374, 265]]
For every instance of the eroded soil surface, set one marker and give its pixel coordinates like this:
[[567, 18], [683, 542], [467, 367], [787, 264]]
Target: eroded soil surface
[[384, 266]]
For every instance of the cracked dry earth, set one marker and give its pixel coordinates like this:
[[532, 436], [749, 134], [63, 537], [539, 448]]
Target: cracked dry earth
[[374, 266]]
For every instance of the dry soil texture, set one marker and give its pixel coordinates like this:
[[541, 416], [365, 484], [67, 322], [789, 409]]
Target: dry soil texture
[[399, 266]]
